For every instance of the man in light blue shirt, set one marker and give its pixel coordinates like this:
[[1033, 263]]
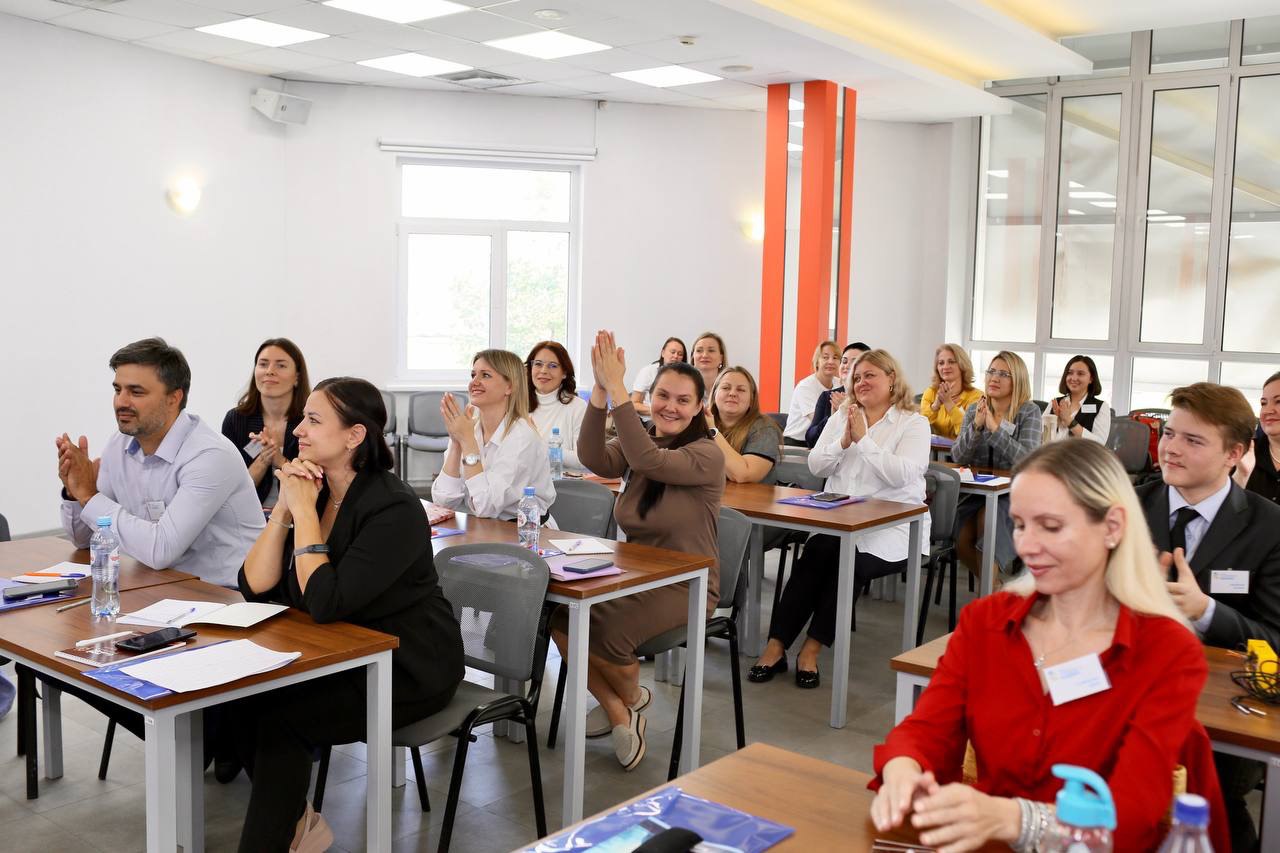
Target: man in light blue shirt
[[176, 490]]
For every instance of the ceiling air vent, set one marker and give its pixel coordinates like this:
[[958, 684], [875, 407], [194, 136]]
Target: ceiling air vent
[[477, 78]]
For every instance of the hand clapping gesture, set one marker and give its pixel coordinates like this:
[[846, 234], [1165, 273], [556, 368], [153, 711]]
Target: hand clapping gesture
[[608, 363], [855, 425], [78, 473], [837, 399], [458, 422], [1062, 410], [982, 415]]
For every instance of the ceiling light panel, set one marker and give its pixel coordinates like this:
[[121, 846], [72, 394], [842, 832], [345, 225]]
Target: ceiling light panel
[[548, 45], [400, 11], [414, 65], [261, 32], [667, 75]]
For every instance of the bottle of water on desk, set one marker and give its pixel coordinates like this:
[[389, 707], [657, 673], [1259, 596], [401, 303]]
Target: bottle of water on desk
[[555, 452], [1190, 830], [104, 550], [528, 517], [1086, 814]]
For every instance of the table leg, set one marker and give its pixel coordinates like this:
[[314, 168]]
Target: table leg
[[677, 662], [911, 612], [987, 581], [27, 727], [399, 754], [575, 721], [751, 614], [1270, 837], [51, 708], [189, 775], [690, 749], [161, 750], [907, 690], [378, 740], [662, 666], [844, 623]]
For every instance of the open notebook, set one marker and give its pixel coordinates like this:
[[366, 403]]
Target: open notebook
[[172, 612]]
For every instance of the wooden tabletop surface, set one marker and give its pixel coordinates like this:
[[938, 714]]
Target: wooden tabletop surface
[[1214, 710], [827, 805], [32, 555], [40, 631], [639, 563], [760, 501]]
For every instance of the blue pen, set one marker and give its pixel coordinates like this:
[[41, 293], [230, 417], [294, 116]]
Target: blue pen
[[180, 616]]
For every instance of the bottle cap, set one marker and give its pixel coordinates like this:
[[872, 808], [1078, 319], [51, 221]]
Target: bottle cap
[[529, 491], [104, 521], [555, 430], [1084, 800], [1191, 809]]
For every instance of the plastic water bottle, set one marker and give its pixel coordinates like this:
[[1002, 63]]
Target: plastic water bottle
[[555, 452], [1086, 813], [528, 518], [1190, 830], [104, 549]]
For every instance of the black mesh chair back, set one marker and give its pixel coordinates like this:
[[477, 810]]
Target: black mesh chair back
[[4, 529], [582, 506], [1131, 441], [389, 400]]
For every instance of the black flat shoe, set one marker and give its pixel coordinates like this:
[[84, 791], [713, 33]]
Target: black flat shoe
[[807, 679], [760, 674]]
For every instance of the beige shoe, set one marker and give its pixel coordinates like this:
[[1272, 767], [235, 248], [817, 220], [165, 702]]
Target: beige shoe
[[628, 741], [313, 834], [598, 724]]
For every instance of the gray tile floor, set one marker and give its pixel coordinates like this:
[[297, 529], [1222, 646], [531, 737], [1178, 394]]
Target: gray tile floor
[[79, 812]]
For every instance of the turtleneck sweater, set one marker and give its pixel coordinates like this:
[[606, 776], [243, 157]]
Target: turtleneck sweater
[[568, 417]]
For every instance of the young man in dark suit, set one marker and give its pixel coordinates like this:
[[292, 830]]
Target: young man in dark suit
[[1220, 546]]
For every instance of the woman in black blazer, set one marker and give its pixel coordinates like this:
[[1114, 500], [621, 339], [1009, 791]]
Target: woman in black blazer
[[269, 411], [347, 540]]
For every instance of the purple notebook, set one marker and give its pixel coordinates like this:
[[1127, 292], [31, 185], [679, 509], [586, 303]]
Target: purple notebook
[[807, 500], [441, 532]]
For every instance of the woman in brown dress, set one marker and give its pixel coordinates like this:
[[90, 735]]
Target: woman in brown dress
[[673, 481]]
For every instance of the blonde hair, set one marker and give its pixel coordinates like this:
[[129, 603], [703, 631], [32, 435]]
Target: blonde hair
[[900, 391], [724, 354], [1096, 481], [1021, 381], [510, 367], [962, 361], [817, 352], [737, 434]]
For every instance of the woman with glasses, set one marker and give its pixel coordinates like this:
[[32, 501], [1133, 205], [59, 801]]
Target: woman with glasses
[[1078, 413], [997, 432], [553, 398]]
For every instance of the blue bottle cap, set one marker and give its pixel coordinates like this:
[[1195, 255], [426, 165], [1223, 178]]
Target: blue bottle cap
[[555, 430], [1085, 800], [104, 521], [1191, 809], [529, 491]]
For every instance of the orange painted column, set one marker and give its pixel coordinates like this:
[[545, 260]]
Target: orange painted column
[[817, 195], [846, 214], [775, 245]]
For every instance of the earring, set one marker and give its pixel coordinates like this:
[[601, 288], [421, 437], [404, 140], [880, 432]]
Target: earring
[[1110, 545]]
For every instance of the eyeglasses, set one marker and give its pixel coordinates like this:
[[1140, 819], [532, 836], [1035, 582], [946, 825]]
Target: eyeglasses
[[549, 365], [998, 374]]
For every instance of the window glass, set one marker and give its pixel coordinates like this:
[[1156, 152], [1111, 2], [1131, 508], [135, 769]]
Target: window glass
[[1190, 48], [473, 192], [1248, 377], [1056, 362], [1154, 378], [1261, 40], [537, 288], [448, 279], [1109, 52]]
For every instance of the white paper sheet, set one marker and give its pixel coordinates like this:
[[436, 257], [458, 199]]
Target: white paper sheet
[[574, 547], [210, 666], [63, 568], [172, 612]]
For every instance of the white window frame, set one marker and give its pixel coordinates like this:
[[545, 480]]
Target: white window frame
[[496, 230]]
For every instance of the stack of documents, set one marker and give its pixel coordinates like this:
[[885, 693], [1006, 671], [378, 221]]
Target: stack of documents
[[209, 666], [175, 613]]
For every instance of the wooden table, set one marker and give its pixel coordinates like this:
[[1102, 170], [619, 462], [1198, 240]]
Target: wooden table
[[827, 805], [174, 765], [1232, 732], [643, 568], [30, 555]]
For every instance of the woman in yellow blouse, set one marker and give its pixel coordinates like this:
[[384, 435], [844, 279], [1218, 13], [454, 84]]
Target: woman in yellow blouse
[[950, 392]]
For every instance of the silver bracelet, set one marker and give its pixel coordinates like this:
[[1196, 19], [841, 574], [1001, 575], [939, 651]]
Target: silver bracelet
[[281, 523], [1024, 826]]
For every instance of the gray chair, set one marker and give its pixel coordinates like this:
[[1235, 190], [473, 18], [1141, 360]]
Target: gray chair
[[792, 470], [582, 506], [779, 418], [1041, 404], [426, 432], [498, 594], [942, 491], [389, 430], [1131, 441], [4, 529]]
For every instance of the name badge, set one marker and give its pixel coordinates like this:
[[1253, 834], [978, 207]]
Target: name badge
[[1088, 408], [1076, 679], [155, 510], [253, 449], [1229, 582]]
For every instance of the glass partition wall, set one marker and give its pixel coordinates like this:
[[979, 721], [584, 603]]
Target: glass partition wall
[[1133, 215]]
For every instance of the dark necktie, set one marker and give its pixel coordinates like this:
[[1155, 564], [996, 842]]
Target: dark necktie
[[1178, 535]]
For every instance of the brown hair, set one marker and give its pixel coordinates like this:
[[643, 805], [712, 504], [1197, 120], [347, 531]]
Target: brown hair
[[962, 361], [724, 354], [900, 391], [736, 435], [1220, 405], [568, 385], [358, 402], [251, 402], [1095, 384]]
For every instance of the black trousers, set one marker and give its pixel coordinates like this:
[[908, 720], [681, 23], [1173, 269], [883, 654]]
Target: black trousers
[[276, 736], [1238, 776], [810, 595]]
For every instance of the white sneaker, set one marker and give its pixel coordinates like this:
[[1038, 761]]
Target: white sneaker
[[598, 724], [628, 741]]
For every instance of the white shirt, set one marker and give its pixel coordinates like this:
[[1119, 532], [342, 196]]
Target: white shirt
[[512, 459], [552, 413], [1101, 424], [803, 401], [888, 463], [644, 379], [1196, 529]]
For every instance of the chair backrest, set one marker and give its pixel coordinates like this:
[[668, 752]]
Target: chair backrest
[[582, 506], [497, 592], [795, 453], [389, 400], [424, 414], [1131, 441], [795, 472], [944, 484], [1041, 404], [779, 418], [4, 529], [918, 398], [733, 533]]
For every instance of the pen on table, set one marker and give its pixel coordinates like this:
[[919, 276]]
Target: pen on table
[[182, 615], [73, 604], [56, 575], [93, 641]]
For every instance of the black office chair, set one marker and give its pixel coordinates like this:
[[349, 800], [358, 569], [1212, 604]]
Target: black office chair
[[942, 491]]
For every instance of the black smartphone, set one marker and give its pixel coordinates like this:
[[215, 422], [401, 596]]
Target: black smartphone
[[829, 497], [31, 590], [591, 564], [154, 640]]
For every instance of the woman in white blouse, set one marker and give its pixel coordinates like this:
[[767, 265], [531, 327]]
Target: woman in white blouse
[[553, 398], [494, 451], [1078, 412], [673, 350], [826, 366], [876, 445]]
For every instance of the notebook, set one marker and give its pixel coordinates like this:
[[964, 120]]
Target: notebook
[[176, 613], [103, 654], [436, 513]]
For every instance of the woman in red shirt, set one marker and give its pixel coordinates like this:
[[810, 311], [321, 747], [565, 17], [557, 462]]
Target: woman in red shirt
[[1093, 597]]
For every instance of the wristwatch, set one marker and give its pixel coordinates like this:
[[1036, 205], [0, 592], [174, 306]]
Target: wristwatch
[[311, 549], [712, 432], [471, 459]]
